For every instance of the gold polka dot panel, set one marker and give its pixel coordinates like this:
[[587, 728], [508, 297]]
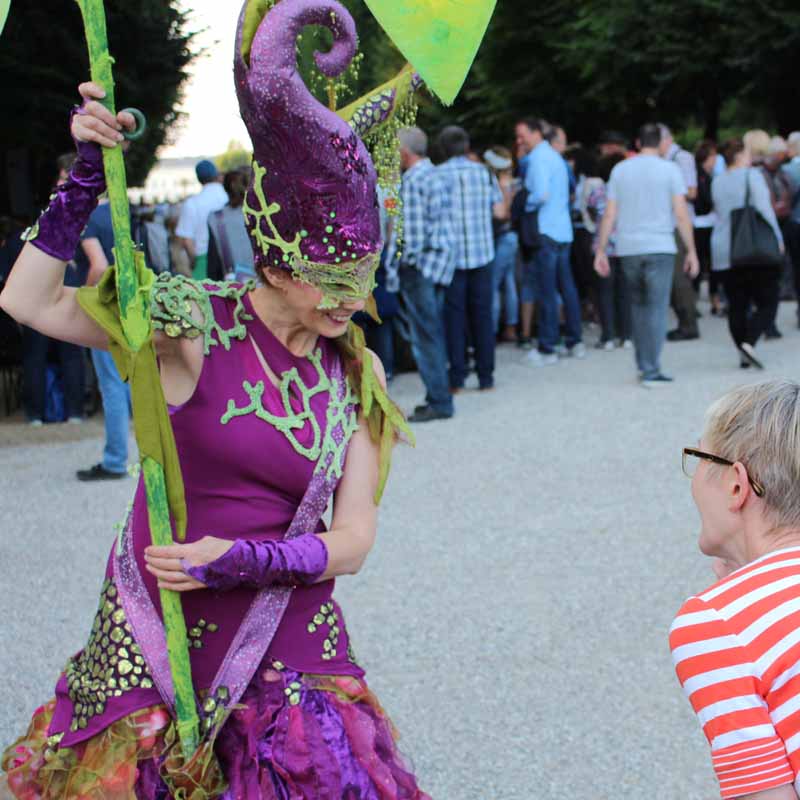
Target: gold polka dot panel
[[110, 664]]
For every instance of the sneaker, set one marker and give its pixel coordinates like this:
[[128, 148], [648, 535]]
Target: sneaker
[[577, 350], [35, 423], [749, 354], [561, 350], [525, 344], [537, 359], [99, 473], [656, 383], [75, 421], [607, 345], [428, 414], [627, 344]]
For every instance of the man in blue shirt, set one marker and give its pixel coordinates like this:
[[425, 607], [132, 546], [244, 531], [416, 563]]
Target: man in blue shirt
[[425, 269], [474, 194], [547, 184]]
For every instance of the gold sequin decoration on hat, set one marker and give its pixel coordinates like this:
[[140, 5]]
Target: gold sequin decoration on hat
[[110, 664]]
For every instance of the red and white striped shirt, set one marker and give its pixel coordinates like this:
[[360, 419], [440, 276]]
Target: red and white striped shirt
[[736, 649]]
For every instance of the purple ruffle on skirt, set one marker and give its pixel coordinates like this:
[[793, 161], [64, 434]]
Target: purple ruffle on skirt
[[306, 737], [292, 737]]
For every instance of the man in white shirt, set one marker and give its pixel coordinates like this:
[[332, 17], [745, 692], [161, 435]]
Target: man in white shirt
[[193, 222], [646, 202]]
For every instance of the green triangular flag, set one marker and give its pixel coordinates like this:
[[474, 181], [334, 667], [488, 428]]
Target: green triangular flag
[[5, 5], [440, 38]]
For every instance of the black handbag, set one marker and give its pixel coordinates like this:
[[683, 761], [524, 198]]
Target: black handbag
[[753, 241], [525, 223]]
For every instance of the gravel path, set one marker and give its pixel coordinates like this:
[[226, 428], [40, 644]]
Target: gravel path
[[513, 616]]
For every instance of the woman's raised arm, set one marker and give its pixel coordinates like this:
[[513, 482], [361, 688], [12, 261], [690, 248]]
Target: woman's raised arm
[[35, 294]]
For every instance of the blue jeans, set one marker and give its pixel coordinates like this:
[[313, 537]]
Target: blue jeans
[[116, 409], [614, 304], [469, 303], [554, 277], [649, 279], [35, 350], [527, 283], [424, 301], [504, 266]]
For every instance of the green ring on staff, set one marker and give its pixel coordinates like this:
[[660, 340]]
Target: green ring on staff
[[141, 124]]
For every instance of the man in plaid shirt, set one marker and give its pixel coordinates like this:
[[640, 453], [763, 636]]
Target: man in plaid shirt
[[475, 195], [424, 260]]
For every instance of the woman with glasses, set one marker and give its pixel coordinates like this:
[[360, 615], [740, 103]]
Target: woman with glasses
[[736, 645]]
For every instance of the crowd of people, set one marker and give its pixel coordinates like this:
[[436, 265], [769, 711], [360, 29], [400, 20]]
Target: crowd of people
[[610, 235], [530, 245]]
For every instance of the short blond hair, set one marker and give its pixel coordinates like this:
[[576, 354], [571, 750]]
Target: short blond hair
[[759, 425], [757, 143]]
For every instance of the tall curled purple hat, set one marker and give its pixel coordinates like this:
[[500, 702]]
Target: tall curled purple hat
[[312, 206]]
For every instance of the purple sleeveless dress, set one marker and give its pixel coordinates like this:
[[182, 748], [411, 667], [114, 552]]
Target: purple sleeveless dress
[[306, 725]]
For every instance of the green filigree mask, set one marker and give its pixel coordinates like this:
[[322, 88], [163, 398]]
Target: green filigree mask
[[339, 284]]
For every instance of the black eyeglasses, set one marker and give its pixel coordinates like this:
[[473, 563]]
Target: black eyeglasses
[[689, 466]]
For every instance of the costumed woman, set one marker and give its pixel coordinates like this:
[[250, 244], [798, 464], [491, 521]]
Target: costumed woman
[[276, 408]]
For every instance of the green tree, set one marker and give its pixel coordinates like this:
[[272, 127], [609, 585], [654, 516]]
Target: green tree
[[235, 157], [597, 64], [43, 59]]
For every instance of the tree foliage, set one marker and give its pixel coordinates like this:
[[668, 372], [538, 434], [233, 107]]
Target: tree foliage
[[597, 64], [43, 59], [236, 156]]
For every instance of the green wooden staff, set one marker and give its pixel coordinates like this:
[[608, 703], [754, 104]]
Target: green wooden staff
[[130, 337]]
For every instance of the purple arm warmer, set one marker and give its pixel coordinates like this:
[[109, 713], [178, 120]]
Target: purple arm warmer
[[259, 564], [58, 231]]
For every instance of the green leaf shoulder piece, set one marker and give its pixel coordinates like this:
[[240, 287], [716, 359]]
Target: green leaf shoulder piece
[[175, 301]]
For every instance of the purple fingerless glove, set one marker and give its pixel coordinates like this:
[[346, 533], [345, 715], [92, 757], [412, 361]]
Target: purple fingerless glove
[[258, 564], [59, 228]]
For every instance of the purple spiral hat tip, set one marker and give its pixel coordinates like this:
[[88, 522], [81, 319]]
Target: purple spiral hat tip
[[313, 198]]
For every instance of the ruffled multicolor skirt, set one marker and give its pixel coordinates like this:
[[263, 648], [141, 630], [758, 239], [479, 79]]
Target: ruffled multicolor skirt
[[292, 737]]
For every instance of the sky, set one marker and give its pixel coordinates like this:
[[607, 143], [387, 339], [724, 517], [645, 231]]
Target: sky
[[212, 112]]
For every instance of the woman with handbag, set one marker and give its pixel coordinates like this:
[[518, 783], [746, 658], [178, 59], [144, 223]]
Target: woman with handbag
[[746, 249]]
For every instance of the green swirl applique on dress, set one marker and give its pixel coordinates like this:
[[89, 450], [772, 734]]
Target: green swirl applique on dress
[[172, 301], [322, 444]]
